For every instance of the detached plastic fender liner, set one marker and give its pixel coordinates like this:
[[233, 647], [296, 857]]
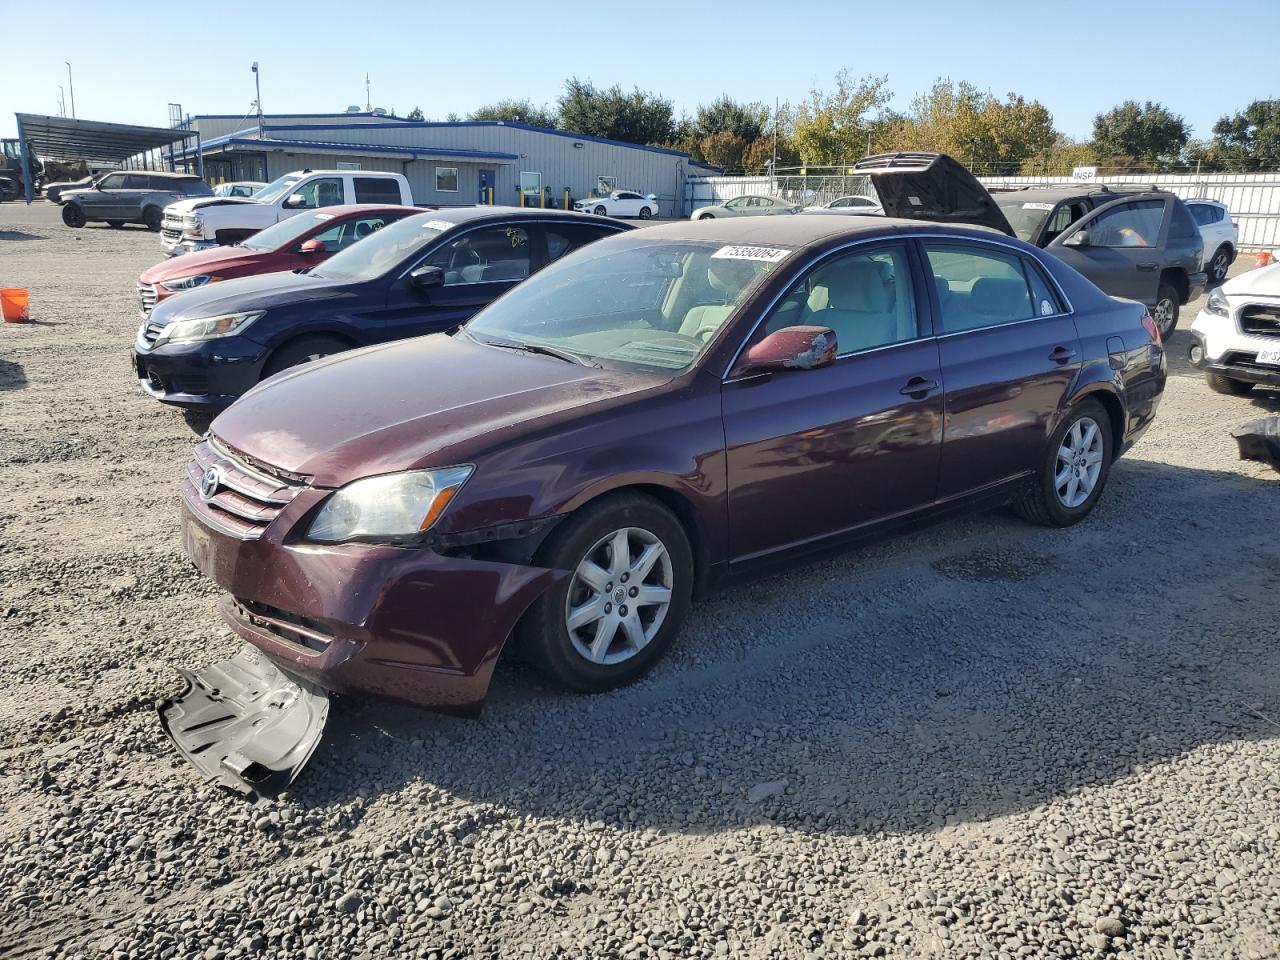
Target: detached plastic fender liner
[[246, 724], [1260, 440]]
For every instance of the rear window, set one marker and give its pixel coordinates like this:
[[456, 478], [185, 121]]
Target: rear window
[[377, 190]]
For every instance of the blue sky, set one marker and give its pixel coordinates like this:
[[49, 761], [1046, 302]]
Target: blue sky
[[131, 60]]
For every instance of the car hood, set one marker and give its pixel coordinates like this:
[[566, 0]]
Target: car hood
[[1264, 282], [934, 187], [205, 261], [262, 292], [196, 203], [430, 401]]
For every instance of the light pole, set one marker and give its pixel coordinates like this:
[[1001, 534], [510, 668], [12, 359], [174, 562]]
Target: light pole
[[257, 88], [72, 87], [62, 100]]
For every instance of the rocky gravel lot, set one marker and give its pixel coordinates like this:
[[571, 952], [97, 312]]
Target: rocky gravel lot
[[984, 739]]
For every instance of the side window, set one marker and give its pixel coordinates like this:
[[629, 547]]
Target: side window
[[1045, 300], [348, 232], [1061, 218], [865, 297], [484, 256], [563, 237], [737, 203], [979, 286], [376, 190], [113, 182], [1181, 226], [322, 192], [137, 181], [1128, 225]]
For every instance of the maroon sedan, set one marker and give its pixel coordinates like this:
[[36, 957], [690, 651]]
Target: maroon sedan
[[654, 415], [301, 241]]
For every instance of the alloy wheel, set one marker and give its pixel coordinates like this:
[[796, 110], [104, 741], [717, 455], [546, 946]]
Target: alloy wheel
[[1218, 266], [619, 596], [1162, 314], [1079, 463]]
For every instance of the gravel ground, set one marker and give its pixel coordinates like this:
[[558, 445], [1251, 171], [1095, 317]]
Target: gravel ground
[[984, 739]]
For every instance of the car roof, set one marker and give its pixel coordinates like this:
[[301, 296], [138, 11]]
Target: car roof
[[161, 173], [1056, 193], [799, 231], [470, 214], [350, 209]]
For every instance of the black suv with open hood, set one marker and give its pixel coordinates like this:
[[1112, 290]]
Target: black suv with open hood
[[1144, 245]]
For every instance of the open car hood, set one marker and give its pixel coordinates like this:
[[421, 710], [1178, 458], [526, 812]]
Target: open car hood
[[934, 187]]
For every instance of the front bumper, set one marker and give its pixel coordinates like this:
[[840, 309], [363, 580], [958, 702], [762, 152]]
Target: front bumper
[[206, 375], [401, 622], [175, 243], [1219, 346]]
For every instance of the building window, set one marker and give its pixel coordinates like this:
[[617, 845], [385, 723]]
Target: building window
[[530, 183], [447, 179], [347, 165], [606, 186]]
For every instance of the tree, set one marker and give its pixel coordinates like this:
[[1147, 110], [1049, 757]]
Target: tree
[[973, 125], [517, 111], [832, 127], [724, 149], [746, 121], [1146, 133], [1251, 138], [416, 114], [636, 117]]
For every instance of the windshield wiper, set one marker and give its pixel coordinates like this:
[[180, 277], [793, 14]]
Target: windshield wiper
[[545, 351]]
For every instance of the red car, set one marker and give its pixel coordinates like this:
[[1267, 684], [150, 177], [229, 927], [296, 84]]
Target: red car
[[300, 241]]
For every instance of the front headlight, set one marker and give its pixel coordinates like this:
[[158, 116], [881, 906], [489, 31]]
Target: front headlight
[[209, 328], [392, 506], [188, 283], [193, 223], [1217, 304]]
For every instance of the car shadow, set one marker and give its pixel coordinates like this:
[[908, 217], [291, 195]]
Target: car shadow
[[949, 676], [12, 375], [198, 421], [20, 235]]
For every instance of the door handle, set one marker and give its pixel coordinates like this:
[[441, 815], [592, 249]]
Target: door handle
[[918, 388], [1062, 355], [1148, 267]]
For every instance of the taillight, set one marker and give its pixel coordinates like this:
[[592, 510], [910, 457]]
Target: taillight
[[1152, 329]]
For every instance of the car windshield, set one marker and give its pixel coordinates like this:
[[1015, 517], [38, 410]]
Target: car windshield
[[285, 232], [629, 302], [277, 188], [374, 256], [1025, 216]]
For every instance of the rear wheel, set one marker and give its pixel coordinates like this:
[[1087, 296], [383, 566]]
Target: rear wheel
[[1220, 384], [151, 218], [73, 215], [1219, 263], [628, 594], [303, 350], [645, 213], [1165, 312], [1074, 470]]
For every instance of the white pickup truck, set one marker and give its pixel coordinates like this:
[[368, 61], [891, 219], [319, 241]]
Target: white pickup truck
[[203, 222]]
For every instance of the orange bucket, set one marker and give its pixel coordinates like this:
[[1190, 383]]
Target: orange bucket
[[14, 303], [1264, 259]]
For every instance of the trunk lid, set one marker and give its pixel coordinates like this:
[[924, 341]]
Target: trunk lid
[[933, 187]]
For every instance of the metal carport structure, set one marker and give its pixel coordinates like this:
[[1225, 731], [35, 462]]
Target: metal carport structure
[[95, 141]]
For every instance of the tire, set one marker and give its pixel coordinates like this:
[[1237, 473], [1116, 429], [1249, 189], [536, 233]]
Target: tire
[[600, 211], [588, 535], [1165, 312], [1219, 263], [1043, 501], [1220, 384], [707, 216], [117, 224], [303, 350], [645, 213], [73, 216], [151, 219]]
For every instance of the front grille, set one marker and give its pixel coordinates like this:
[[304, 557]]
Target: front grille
[[151, 331], [300, 631], [172, 234], [147, 301], [1249, 361], [242, 500], [1260, 319]]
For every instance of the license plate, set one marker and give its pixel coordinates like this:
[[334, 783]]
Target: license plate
[[1269, 356]]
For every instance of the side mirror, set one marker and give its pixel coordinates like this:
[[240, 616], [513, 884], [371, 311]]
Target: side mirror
[[313, 246], [791, 348], [1078, 239], [294, 201], [426, 277]]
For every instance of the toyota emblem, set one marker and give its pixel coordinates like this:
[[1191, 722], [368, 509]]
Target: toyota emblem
[[209, 483]]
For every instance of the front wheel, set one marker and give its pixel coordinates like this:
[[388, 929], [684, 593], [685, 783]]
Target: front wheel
[[625, 600], [1073, 471], [73, 215], [151, 218], [1165, 312], [1220, 384], [302, 350], [599, 211]]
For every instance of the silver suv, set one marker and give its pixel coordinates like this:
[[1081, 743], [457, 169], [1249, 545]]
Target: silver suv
[[131, 196]]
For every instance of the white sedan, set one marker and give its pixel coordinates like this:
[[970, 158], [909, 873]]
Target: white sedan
[[847, 205], [620, 203]]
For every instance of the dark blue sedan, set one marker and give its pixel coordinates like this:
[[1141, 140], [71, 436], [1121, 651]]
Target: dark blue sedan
[[424, 274]]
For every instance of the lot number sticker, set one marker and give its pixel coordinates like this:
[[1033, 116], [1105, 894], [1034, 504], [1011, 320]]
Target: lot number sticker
[[738, 252], [1037, 206]]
